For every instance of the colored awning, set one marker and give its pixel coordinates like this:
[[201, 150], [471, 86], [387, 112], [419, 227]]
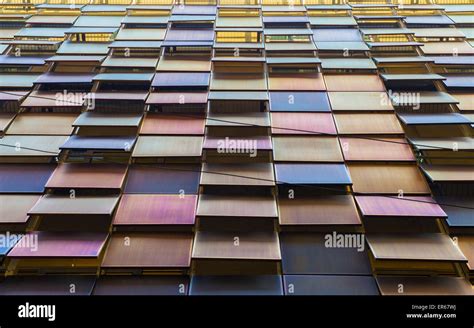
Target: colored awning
[[259, 285], [60, 245], [394, 206], [306, 149], [449, 173], [348, 63], [170, 80], [424, 247], [166, 124], [308, 253], [14, 208], [299, 102], [148, 250], [388, 179], [434, 119], [252, 246], [329, 210], [417, 286], [354, 82], [236, 206], [80, 205], [297, 82], [360, 101], [113, 143], [163, 179], [151, 210], [324, 285], [94, 119], [252, 174], [167, 146], [312, 174], [31, 146], [24, 178], [86, 176], [303, 123], [376, 149]]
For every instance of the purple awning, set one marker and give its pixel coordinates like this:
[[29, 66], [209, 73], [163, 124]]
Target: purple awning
[[99, 143], [393, 207], [318, 174], [59, 244]]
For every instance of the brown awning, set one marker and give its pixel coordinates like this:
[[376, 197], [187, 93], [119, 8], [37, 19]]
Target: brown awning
[[387, 179], [252, 246], [148, 250], [318, 210]]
